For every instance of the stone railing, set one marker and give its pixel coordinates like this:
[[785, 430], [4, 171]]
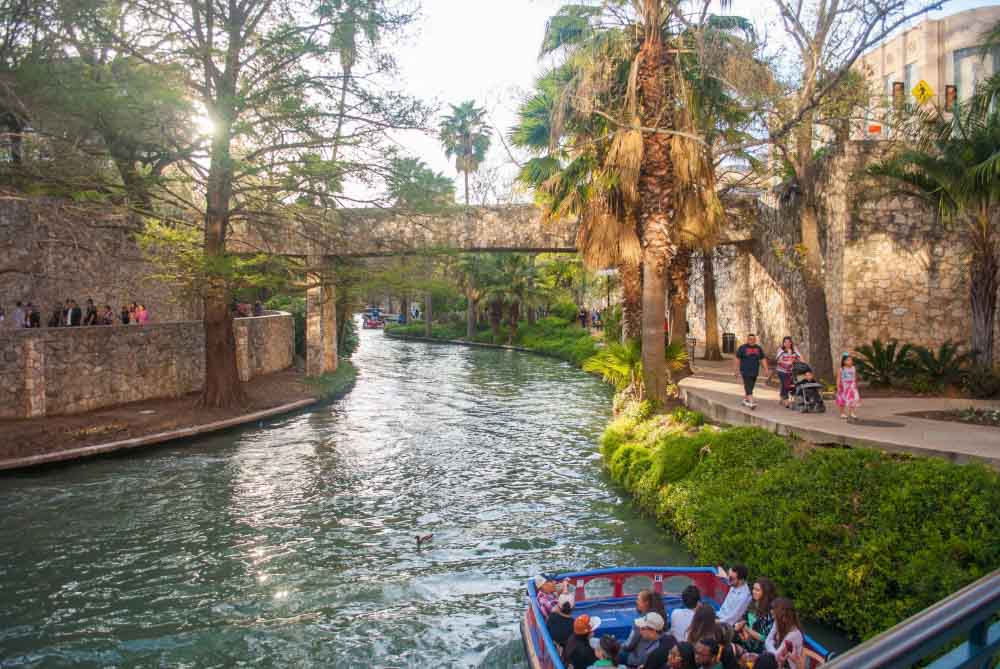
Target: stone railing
[[53, 371]]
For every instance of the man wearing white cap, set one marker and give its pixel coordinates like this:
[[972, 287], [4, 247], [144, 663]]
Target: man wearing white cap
[[655, 641], [547, 597]]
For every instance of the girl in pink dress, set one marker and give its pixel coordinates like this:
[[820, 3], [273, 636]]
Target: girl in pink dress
[[848, 397]]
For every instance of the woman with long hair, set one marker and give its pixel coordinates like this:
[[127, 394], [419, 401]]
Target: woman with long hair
[[681, 656], [785, 639], [704, 625], [753, 630], [784, 361]]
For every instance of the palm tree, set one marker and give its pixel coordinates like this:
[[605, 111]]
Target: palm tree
[[466, 136], [956, 170]]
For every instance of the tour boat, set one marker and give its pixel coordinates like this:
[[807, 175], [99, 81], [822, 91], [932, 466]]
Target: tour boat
[[372, 323], [610, 595]]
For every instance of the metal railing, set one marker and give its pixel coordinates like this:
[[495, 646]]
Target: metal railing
[[967, 613]]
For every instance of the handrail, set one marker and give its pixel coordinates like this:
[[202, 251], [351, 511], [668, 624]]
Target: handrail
[[966, 612]]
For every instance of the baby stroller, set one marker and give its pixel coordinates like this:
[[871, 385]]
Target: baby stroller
[[808, 393]]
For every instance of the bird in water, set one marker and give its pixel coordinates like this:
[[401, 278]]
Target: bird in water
[[425, 539]]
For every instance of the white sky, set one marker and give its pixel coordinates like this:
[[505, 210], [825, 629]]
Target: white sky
[[487, 50]]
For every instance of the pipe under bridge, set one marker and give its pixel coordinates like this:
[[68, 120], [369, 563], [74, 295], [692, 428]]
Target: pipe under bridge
[[391, 232]]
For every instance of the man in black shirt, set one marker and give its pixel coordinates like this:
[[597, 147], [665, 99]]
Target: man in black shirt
[[749, 358]]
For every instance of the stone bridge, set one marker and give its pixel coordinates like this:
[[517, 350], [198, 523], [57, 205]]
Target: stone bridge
[[388, 232]]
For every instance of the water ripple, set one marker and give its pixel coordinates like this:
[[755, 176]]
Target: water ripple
[[293, 544]]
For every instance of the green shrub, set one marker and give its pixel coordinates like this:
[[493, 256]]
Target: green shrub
[[945, 366], [684, 416], [565, 310], [860, 539], [347, 339], [923, 384], [981, 382], [613, 324], [615, 435], [881, 364]]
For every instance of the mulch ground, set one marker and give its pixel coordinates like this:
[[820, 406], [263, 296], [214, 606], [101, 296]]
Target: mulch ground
[[952, 417], [35, 436]]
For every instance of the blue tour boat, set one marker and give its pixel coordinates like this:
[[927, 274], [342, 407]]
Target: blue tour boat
[[610, 595]]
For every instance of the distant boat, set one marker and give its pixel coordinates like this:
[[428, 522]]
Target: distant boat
[[610, 595]]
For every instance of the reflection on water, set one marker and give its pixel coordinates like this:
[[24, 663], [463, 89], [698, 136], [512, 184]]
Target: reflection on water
[[293, 544]]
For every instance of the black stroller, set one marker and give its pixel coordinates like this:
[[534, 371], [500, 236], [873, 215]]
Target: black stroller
[[808, 394]]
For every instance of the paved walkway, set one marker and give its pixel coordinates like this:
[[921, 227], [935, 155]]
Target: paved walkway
[[714, 391]]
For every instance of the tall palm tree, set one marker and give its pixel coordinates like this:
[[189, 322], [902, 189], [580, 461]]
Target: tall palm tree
[[956, 170], [466, 137]]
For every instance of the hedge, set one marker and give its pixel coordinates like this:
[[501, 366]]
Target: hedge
[[860, 539]]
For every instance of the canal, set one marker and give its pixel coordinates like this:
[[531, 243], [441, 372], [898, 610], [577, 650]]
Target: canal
[[292, 543]]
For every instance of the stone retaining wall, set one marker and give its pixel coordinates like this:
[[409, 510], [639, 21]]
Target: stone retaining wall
[[54, 371]]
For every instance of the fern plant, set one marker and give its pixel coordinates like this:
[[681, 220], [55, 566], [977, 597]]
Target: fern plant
[[881, 363], [946, 365], [621, 366]]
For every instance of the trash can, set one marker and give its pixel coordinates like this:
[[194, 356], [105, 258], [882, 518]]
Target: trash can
[[691, 344], [729, 342]]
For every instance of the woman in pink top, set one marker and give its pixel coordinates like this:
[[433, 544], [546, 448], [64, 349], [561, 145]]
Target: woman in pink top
[[784, 360], [141, 314]]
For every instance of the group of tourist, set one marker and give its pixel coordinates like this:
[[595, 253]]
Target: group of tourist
[[753, 628], [750, 357], [71, 314]]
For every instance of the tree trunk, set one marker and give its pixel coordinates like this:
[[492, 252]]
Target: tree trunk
[[515, 315], [654, 369], [470, 317], [655, 218], [466, 188], [712, 349], [631, 276], [496, 315], [983, 297], [817, 315], [428, 315], [680, 284], [404, 310], [222, 380], [532, 315]]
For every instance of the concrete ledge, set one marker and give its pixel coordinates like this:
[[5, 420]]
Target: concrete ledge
[[721, 412], [157, 438]]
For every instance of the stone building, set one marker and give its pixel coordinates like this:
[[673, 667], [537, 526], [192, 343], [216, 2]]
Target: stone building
[[893, 270]]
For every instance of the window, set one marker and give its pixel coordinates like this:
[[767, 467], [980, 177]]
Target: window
[[970, 68], [911, 75], [887, 87]]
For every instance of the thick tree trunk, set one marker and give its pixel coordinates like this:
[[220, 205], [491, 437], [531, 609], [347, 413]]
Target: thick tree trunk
[[983, 298], [817, 315], [656, 180], [654, 369], [712, 349], [470, 317], [222, 381], [466, 188], [428, 315], [404, 309], [631, 276], [680, 283]]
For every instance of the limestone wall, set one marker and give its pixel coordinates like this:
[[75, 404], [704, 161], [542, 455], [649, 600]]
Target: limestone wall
[[52, 250], [70, 370], [892, 269]]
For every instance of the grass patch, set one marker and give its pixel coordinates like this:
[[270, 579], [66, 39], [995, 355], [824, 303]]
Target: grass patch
[[860, 539], [334, 385]]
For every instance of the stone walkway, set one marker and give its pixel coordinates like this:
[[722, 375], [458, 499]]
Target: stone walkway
[[714, 391]]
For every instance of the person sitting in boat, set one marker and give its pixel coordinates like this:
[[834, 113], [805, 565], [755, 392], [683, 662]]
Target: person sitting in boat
[[657, 643], [681, 656], [606, 649], [785, 640], [710, 654], [704, 625], [547, 596], [578, 653], [680, 618], [765, 661], [560, 621], [756, 625], [738, 598], [634, 648]]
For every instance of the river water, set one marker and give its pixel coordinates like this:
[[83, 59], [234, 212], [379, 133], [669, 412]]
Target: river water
[[291, 544]]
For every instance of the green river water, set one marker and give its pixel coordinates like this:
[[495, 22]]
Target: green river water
[[291, 544]]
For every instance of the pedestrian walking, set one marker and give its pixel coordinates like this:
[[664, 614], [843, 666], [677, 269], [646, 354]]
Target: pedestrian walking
[[784, 361], [18, 316], [749, 358]]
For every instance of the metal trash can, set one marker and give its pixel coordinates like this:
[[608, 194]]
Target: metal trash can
[[728, 342], [691, 344]]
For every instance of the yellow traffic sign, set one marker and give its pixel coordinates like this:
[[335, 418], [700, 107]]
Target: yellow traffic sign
[[923, 92]]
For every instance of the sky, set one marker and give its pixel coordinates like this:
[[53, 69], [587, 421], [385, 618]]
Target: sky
[[486, 50]]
